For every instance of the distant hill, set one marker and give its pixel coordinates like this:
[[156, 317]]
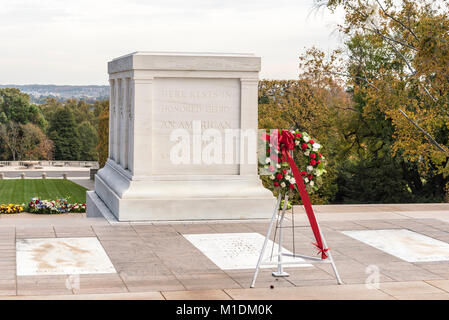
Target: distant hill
[[38, 93]]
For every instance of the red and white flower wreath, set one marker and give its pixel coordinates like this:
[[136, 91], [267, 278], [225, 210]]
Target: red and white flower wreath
[[306, 150], [284, 170]]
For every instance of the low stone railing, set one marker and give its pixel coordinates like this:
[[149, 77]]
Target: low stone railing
[[51, 163]]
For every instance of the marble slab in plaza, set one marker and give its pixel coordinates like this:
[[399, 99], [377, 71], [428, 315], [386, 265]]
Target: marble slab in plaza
[[54, 256], [234, 251], [404, 244], [154, 94]]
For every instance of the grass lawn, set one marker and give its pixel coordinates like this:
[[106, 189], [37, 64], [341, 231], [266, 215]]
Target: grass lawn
[[20, 191]]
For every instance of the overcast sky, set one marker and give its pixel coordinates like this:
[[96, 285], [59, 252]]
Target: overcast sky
[[70, 42]]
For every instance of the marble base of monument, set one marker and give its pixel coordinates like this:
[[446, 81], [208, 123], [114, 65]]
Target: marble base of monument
[[169, 198]]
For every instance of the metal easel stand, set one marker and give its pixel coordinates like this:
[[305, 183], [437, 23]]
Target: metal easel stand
[[280, 271]]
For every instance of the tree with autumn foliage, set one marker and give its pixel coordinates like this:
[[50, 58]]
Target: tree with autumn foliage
[[300, 104], [395, 65]]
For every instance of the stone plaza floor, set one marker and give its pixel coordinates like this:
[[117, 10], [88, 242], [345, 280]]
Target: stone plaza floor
[[73, 257]]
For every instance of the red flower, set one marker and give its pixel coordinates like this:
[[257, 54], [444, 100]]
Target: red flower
[[311, 141], [313, 155], [312, 162], [292, 186], [298, 135], [303, 173], [276, 184], [279, 176], [318, 162], [284, 171], [36, 202], [310, 177], [320, 155], [304, 146]]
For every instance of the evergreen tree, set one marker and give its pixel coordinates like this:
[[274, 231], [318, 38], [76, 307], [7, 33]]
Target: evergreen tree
[[64, 135], [88, 139]]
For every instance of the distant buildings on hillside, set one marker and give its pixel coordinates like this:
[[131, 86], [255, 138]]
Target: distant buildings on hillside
[[39, 93]]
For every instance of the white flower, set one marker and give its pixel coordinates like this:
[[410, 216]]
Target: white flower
[[287, 177], [306, 180], [297, 142], [278, 166], [267, 160], [306, 139], [272, 177], [309, 168], [292, 180], [307, 153], [316, 145], [311, 183], [283, 184]]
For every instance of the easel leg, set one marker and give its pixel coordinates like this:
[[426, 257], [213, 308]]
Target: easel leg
[[267, 237], [334, 267], [280, 272]]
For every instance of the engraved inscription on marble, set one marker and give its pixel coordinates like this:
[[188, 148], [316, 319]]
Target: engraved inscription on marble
[[177, 103], [237, 250]]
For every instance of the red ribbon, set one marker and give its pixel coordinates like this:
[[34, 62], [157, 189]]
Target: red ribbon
[[286, 142]]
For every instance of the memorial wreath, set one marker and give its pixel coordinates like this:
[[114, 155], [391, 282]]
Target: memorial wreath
[[305, 150], [283, 146]]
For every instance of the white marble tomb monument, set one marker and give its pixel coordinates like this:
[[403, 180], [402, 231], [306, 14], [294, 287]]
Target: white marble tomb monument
[[155, 95]]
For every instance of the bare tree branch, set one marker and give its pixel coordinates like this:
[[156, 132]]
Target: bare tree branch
[[10, 135], [376, 30], [413, 71], [352, 76], [397, 20], [428, 92], [428, 136]]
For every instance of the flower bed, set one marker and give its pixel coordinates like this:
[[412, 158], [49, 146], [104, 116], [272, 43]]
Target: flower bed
[[37, 205], [11, 208]]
